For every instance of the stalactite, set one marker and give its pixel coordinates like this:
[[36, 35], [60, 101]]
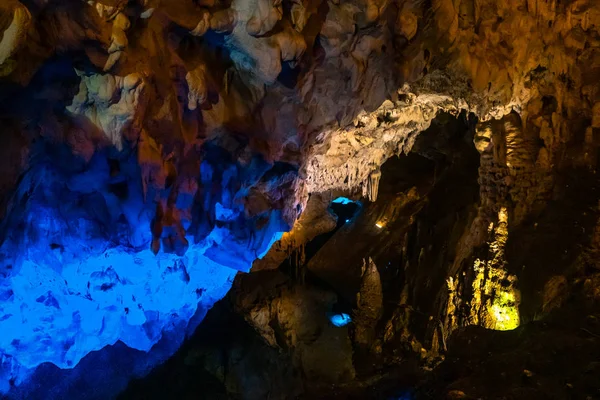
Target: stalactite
[[373, 185], [302, 262]]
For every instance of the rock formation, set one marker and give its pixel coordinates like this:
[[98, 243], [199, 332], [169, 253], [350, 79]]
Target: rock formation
[[369, 302], [152, 149]]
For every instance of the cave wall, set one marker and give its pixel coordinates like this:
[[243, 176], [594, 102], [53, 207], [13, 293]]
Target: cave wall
[[147, 142]]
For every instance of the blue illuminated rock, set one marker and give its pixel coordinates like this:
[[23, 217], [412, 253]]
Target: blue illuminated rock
[[78, 269], [339, 320]]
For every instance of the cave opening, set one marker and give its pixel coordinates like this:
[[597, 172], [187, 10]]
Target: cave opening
[[345, 210]]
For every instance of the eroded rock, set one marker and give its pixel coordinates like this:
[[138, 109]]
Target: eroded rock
[[201, 128]]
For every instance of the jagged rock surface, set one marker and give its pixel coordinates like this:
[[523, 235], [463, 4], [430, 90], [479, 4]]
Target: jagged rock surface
[[191, 128]]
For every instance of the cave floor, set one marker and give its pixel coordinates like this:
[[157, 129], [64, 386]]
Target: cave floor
[[554, 358]]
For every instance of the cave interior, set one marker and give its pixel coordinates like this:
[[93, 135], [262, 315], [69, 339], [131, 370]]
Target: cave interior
[[299, 199]]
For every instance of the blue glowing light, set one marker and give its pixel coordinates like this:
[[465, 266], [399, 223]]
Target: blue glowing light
[[340, 320], [404, 395], [343, 200], [78, 272]]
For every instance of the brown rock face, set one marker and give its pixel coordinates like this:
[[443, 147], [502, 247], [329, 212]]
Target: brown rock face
[[247, 117], [305, 83], [369, 302]]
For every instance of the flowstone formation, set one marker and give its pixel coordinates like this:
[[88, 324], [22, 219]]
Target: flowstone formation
[[153, 148]]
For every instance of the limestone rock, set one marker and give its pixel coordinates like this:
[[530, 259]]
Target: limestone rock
[[112, 103], [14, 20], [198, 130], [369, 303], [264, 17]]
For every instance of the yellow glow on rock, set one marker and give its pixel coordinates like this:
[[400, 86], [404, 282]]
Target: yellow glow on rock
[[505, 312], [495, 301]]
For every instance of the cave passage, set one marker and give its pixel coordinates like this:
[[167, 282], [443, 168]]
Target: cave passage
[[346, 211], [308, 307]]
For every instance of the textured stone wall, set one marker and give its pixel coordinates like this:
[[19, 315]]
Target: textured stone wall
[[158, 130]]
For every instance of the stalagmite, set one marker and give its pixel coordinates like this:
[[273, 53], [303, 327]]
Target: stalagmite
[[369, 305]]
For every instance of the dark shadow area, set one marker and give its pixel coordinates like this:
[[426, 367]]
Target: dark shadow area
[[223, 346], [552, 243], [345, 211], [552, 359]]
